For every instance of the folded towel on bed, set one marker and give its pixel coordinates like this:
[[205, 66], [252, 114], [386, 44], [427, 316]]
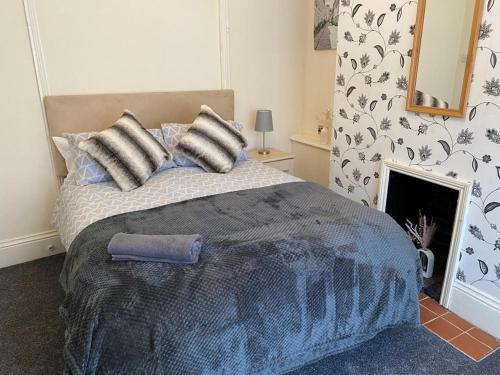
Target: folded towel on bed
[[177, 248]]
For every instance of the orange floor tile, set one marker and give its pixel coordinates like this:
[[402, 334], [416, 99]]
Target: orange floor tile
[[422, 296], [426, 315], [443, 329], [484, 338], [458, 321], [470, 346], [458, 332], [435, 307]]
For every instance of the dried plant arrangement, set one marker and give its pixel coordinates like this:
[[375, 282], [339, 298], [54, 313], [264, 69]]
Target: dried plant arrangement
[[422, 233]]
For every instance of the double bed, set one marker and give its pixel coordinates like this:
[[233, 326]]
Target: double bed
[[290, 272]]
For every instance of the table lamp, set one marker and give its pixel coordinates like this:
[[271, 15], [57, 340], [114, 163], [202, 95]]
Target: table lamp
[[264, 124]]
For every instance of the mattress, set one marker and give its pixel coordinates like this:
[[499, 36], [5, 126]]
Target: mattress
[[79, 206]]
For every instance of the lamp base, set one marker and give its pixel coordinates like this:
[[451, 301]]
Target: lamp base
[[264, 152]]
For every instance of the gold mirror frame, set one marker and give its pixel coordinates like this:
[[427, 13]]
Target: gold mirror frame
[[469, 67]]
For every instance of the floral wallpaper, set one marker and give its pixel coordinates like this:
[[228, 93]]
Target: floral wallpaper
[[371, 124]]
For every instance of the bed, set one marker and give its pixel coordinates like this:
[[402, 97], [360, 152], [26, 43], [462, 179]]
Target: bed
[[290, 272]]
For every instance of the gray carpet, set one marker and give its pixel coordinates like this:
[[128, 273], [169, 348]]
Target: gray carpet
[[31, 335]]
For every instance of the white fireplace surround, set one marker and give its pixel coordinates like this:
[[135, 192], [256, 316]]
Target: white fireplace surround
[[463, 299], [463, 188]]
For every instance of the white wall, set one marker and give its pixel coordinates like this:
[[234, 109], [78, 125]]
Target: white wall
[[27, 186], [267, 63], [92, 46], [311, 162], [319, 83]]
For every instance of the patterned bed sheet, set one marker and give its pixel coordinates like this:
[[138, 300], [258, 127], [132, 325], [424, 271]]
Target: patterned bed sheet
[[79, 206]]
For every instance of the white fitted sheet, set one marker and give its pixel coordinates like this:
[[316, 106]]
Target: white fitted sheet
[[79, 206]]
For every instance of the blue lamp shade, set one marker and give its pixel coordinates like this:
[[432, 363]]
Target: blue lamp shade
[[264, 121]]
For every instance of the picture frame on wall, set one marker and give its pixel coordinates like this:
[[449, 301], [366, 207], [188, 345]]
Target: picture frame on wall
[[326, 24]]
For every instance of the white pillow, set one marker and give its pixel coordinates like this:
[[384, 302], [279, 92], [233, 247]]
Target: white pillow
[[64, 149]]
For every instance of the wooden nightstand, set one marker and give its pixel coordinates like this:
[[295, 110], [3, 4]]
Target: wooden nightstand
[[276, 159]]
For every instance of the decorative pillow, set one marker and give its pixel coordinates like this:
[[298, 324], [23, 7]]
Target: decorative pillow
[[211, 142], [173, 133], [64, 149], [86, 170], [128, 152]]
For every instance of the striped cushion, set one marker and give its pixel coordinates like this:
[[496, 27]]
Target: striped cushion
[[86, 171], [127, 151], [173, 133], [212, 143]]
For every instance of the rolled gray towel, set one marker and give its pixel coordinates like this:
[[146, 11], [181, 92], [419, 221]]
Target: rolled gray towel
[[178, 248]]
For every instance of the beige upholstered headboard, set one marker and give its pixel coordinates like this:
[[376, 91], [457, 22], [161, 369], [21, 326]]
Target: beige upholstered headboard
[[84, 113]]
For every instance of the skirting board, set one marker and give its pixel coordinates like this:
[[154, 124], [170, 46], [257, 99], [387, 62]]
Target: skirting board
[[27, 248], [477, 307]]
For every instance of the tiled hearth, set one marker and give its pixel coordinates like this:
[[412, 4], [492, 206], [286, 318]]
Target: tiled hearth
[[457, 332]]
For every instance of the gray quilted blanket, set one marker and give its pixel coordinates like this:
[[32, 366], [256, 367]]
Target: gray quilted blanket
[[288, 274]]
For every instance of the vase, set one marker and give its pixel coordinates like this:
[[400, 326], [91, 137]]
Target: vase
[[427, 259], [324, 135]]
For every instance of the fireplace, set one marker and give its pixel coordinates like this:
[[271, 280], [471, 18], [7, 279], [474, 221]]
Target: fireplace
[[430, 208]]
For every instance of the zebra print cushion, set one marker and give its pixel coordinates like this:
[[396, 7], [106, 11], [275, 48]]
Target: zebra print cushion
[[211, 142], [426, 100], [86, 171], [173, 133], [127, 151]]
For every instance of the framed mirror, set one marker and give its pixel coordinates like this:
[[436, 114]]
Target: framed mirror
[[444, 51]]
